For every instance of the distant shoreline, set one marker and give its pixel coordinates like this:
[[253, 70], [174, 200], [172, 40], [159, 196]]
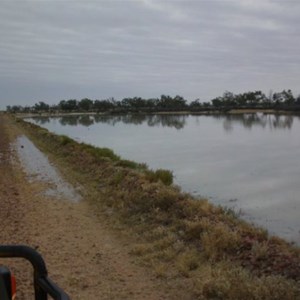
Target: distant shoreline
[[183, 112]]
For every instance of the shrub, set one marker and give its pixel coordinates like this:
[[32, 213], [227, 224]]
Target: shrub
[[129, 164], [105, 152], [165, 176], [100, 152], [198, 208], [260, 250], [188, 261], [64, 140], [165, 200], [117, 178], [219, 240], [194, 229]]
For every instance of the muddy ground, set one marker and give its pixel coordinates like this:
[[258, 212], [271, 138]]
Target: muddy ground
[[84, 255]]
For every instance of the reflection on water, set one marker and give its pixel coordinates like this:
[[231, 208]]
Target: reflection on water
[[248, 161], [176, 121], [261, 120]]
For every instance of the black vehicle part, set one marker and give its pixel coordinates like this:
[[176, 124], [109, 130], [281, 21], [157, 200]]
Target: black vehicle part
[[5, 284], [43, 285]]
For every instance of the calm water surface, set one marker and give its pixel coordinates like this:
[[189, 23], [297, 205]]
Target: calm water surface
[[247, 162]]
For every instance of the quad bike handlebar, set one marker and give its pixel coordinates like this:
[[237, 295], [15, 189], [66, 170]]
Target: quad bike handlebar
[[43, 285]]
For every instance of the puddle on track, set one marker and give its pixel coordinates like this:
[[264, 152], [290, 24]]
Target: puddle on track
[[38, 167]]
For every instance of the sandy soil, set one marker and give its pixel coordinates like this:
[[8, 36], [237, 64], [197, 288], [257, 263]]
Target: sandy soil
[[87, 258]]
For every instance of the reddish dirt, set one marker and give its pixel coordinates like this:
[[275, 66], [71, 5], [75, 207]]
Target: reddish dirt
[[83, 254]]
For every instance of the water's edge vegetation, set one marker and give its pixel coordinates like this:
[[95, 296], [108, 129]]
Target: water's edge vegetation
[[217, 255]]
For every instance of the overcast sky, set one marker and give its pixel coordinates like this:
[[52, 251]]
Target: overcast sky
[[53, 50]]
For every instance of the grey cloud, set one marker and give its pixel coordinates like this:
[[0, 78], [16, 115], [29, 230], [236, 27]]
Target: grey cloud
[[60, 49]]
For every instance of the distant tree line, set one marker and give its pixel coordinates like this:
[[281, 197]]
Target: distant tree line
[[257, 99]]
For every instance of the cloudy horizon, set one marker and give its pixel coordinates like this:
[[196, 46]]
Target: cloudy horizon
[[53, 50]]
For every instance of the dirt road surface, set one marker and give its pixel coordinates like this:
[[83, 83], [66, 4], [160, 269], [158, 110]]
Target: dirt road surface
[[84, 256]]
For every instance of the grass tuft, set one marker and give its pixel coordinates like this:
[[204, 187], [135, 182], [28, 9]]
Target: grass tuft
[[260, 250], [218, 241], [194, 229], [64, 140], [165, 176], [188, 261], [130, 164]]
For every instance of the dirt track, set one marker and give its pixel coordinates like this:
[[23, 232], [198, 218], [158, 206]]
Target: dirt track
[[83, 255]]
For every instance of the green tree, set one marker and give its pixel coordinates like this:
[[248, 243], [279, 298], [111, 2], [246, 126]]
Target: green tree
[[103, 105], [288, 97], [169, 103], [69, 105], [229, 99], [86, 104], [152, 103], [195, 104], [217, 102], [41, 106]]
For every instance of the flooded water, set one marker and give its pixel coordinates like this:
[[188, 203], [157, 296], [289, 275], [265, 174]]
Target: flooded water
[[248, 162], [37, 167]]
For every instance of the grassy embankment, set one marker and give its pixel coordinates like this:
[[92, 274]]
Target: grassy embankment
[[214, 253]]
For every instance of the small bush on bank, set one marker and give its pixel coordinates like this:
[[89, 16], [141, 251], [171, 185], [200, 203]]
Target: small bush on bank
[[117, 178], [218, 241], [194, 229], [165, 176], [64, 140], [130, 164], [188, 261], [165, 200], [100, 152]]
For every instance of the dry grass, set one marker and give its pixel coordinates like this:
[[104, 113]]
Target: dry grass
[[189, 260], [219, 240], [260, 250], [218, 255], [226, 281]]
